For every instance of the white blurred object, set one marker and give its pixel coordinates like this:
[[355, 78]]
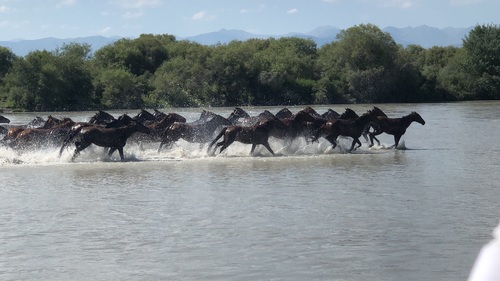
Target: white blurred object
[[487, 265]]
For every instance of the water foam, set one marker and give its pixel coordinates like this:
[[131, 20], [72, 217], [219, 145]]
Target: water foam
[[181, 150]]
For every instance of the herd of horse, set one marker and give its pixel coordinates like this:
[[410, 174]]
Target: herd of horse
[[217, 131]]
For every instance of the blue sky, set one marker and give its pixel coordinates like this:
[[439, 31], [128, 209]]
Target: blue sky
[[34, 19]]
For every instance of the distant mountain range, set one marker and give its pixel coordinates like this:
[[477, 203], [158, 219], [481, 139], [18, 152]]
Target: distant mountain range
[[424, 36]]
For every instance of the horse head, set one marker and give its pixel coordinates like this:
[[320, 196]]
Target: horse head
[[417, 118], [265, 115], [330, 114], [144, 115], [238, 111], [4, 119], [377, 111], [311, 111], [205, 115], [51, 122], [37, 122], [302, 117], [101, 117], [122, 120], [284, 113], [348, 114]]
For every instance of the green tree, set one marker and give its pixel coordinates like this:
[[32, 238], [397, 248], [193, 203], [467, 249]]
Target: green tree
[[118, 89], [33, 82], [73, 62], [183, 80], [288, 71], [482, 47], [363, 62]]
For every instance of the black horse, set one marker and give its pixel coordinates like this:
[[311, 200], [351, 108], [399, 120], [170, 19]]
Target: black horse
[[254, 135], [394, 126], [332, 129], [114, 138], [193, 132], [121, 121], [144, 116]]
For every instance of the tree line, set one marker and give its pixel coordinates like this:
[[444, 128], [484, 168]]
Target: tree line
[[363, 65]]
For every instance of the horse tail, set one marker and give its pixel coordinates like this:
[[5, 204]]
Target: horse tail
[[69, 137], [222, 132]]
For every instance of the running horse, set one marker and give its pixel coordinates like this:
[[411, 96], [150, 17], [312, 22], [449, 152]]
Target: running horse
[[394, 126], [353, 128], [193, 132], [51, 134], [254, 135], [102, 118], [114, 138]]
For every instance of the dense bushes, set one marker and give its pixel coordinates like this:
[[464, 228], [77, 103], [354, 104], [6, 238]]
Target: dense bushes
[[364, 65]]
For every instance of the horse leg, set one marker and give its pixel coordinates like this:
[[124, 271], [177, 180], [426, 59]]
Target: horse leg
[[215, 140], [266, 145], [332, 139], [111, 150], [226, 142], [120, 151], [397, 137], [372, 137], [161, 145], [253, 148], [80, 145], [354, 142]]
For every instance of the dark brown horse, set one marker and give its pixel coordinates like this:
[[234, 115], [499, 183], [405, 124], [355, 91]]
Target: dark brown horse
[[254, 135], [394, 126], [240, 117], [114, 138], [102, 117], [330, 114], [121, 121], [51, 134], [332, 129], [193, 132], [53, 122], [144, 116], [157, 128], [307, 122]]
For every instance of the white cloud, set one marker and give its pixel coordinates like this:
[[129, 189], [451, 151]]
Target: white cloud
[[332, 1], [68, 27], [292, 11], [402, 4], [259, 8], [203, 16], [65, 3], [464, 2], [137, 4], [131, 15], [105, 30], [4, 9]]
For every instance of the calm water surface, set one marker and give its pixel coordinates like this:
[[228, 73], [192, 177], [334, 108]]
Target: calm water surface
[[420, 213]]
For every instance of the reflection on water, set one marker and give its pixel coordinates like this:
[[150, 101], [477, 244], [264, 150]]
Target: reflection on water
[[421, 213]]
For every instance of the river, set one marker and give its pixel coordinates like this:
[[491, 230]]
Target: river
[[417, 213]]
